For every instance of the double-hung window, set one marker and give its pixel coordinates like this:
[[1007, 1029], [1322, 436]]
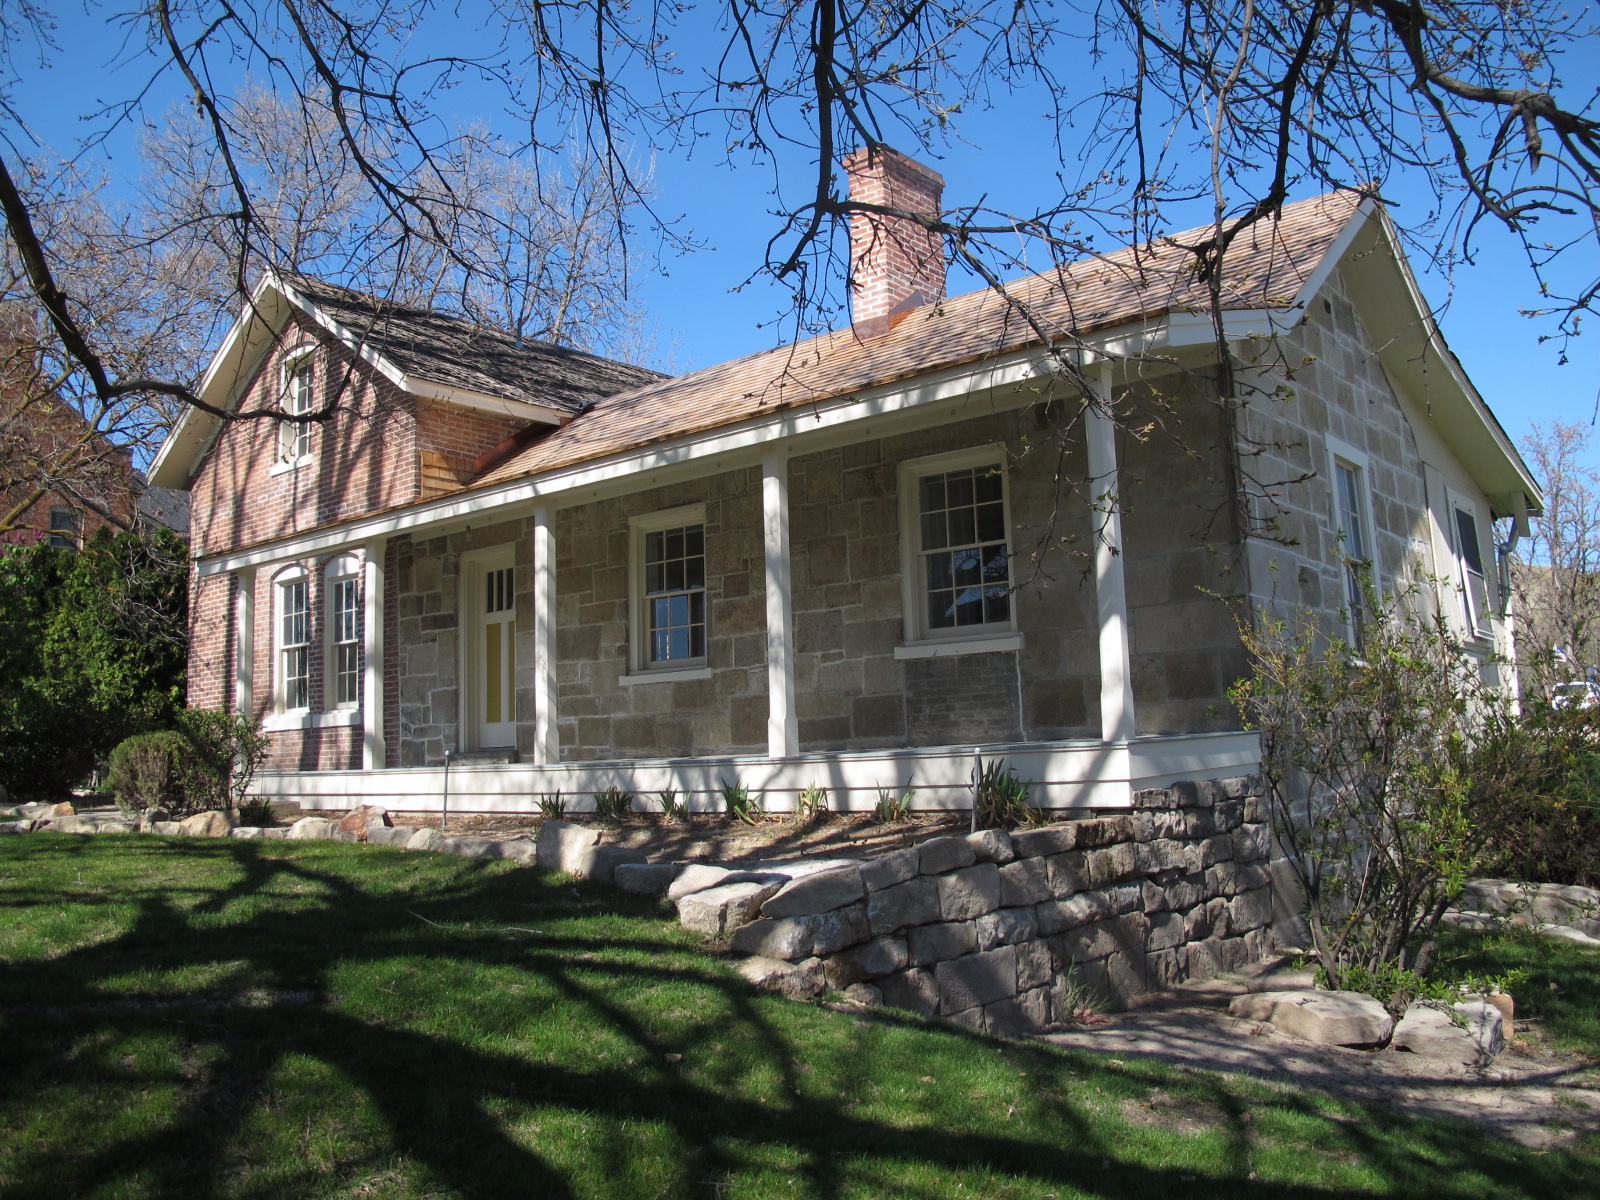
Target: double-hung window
[[299, 397], [669, 603], [293, 600], [956, 545], [1470, 574], [1352, 518], [343, 597], [64, 528]]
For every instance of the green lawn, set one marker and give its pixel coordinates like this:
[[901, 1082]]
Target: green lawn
[[182, 1018], [1561, 994]]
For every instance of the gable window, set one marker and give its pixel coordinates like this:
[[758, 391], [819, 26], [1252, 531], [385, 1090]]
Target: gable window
[[670, 629], [1470, 575], [343, 597], [293, 598], [955, 535], [299, 397], [1353, 530], [64, 527]]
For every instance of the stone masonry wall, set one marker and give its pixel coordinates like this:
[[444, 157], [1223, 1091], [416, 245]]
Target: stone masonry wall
[[999, 931]]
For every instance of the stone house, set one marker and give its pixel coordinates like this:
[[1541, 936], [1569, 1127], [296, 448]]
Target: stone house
[[852, 561]]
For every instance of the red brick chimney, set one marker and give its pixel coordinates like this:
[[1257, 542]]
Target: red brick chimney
[[896, 265]]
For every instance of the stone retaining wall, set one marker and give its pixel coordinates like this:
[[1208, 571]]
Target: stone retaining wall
[[1001, 931]]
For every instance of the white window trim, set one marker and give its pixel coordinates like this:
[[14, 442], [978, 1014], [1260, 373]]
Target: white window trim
[[304, 719], [280, 679], [640, 669], [1343, 452], [1481, 628], [346, 566], [967, 639], [293, 361]]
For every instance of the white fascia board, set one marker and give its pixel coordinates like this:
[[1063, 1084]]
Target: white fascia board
[[193, 429], [1336, 250], [354, 344], [810, 426], [467, 398]]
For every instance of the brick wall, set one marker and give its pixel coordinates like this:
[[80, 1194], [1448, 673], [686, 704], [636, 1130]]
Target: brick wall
[[892, 258]]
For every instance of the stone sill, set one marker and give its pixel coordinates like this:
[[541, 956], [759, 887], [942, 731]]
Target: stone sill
[[674, 675], [283, 468], [993, 643], [279, 722]]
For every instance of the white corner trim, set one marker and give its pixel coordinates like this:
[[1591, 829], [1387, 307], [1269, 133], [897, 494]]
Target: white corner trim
[[992, 644], [301, 719], [670, 675]]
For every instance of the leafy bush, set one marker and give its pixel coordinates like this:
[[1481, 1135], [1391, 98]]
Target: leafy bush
[[890, 808], [1367, 756], [1541, 774], [673, 806], [740, 803], [810, 804], [92, 651], [613, 803], [206, 763], [551, 806], [1001, 798], [256, 812], [146, 771]]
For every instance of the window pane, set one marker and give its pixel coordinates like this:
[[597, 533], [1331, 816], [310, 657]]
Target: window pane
[[932, 493], [674, 543], [991, 523], [695, 540], [935, 531], [963, 527], [959, 487], [988, 486], [1467, 541]]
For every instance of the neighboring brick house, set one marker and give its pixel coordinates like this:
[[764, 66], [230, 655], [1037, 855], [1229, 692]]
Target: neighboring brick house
[[850, 561]]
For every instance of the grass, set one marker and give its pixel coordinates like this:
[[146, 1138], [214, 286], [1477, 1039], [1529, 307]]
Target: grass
[[246, 1019], [1561, 992]]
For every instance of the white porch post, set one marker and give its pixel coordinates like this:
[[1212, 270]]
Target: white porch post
[[244, 642], [374, 751], [546, 736], [783, 728], [1116, 659]]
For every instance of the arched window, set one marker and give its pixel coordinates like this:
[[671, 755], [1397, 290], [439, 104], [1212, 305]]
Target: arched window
[[342, 589], [291, 591]]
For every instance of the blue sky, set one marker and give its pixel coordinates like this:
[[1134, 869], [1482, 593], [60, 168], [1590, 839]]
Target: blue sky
[[706, 308]]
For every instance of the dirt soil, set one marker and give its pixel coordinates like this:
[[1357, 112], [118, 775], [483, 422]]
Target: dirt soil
[[718, 839], [1529, 1093]]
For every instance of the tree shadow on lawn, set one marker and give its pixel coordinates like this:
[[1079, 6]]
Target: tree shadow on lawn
[[542, 1039]]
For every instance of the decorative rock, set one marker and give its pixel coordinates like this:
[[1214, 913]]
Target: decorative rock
[[645, 879], [73, 825], [795, 981], [915, 902], [167, 828], [1056, 916], [422, 839], [246, 833], [914, 990], [864, 995], [1006, 927], [969, 892], [357, 820], [1026, 881], [212, 824], [1068, 873], [1250, 910], [564, 846], [992, 845], [881, 956], [891, 869], [1052, 839], [942, 854], [720, 910], [1431, 1034], [391, 835], [818, 893], [1323, 1018], [47, 812], [928, 944], [474, 847], [833, 931], [1102, 831], [519, 850], [16, 827], [694, 878], [790, 939], [312, 829], [976, 979], [1112, 864], [603, 862]]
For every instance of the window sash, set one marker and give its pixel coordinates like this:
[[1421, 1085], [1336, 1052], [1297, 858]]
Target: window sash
[[1474, 580], [674, 594], [294, 438], [966, 563], [344, 635], [294, 642], [1349, 491]]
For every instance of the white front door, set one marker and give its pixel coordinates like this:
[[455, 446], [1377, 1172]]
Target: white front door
[[491, 657]]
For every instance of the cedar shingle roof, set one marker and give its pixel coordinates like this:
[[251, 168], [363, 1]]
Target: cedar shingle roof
[[1265, 267], [455, 352]]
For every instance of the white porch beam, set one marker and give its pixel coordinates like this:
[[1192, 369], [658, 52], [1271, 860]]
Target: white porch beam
[[374, 750], [244, 642], [546, 735], [1111, 596], [783, 727]]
